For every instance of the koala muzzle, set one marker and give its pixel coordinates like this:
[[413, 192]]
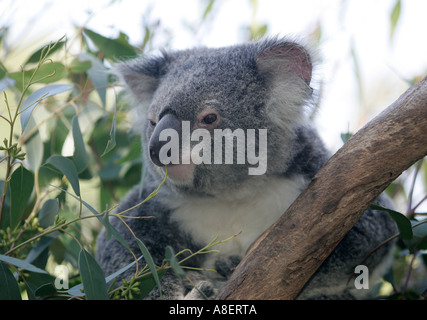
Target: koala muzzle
[[169, 121]]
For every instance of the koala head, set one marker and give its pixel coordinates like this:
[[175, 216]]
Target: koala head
[[253, 94]]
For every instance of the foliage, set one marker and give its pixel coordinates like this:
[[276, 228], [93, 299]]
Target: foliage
[[43, 212], [66, 132]]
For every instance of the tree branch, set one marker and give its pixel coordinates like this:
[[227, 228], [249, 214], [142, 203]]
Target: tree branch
[[284, 258]]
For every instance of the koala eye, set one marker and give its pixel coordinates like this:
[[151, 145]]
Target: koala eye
[[210, 118], [152, 123]]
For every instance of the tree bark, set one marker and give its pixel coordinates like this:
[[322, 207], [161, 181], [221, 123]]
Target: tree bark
[[284, 258]]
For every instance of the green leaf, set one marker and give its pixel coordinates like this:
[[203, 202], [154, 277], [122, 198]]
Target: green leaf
[[148, 283], [150, 262], [48, 212], [112, 141], [38, 249], [33, 146], [346, 136], [34, 99], [173, 262], [419, 240], [403, 223], [9, 289], [21, 187], [92, 277], [104, 220], [77, 66], [208, 9], [394, 17], [98, 74], [47, 73], [111, 231], [21, 264], [111, 48], [79, 155], [35, 57], [67, 167], [75, 291]]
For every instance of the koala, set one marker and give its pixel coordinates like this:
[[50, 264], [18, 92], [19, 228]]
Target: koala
[[231, 128]]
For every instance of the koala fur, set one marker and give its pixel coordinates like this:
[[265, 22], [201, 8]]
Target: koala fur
[[262, 84]]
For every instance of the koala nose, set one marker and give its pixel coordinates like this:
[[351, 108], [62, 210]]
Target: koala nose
[[154, 155], [169, 121]]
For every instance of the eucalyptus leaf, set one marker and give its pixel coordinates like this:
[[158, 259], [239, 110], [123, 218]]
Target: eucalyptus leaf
[[150, 262], [34, 99], [75, 291], [79, 155], [112, 141], [35, 57], [9, 289], [21, 264], [111, 48], [67, 167], [403, 223], [93, 278], [98, 74], [33, 146], [173, 262], [48, 212], [47, 73], [77, 66], [419, 240], [394, 17], [41, 245], [21, 187]]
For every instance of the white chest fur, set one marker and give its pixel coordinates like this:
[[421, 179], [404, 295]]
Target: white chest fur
[[248, 212]]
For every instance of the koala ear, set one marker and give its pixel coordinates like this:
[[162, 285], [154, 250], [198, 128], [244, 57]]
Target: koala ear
[[284, 58], [142, 76]]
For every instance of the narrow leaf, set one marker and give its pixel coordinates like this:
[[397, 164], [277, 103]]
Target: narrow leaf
[[47, 73], [48, 212], [35, 57], [111, 231], [21, 187], [79, 155], [31, 102], [41, 245], [112, 141], [92, 277], [419, 240], [98, 74], [33, 146], [173, 262], [111, 48], [148, 283], [67, 167], [75, 291], [21, 264], [9, 289], [394, 17], [403, 223], [150, 262], [104, 220]]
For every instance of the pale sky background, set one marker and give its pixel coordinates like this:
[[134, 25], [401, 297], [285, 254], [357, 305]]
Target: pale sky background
[[384, 63]]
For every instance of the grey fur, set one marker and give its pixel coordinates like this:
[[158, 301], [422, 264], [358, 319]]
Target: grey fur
[[263, 84]]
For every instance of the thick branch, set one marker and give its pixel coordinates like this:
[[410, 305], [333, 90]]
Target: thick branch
[[284, 258]]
